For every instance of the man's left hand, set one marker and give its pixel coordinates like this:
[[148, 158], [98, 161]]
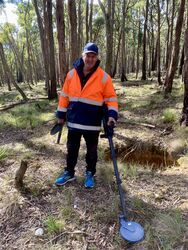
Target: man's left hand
[[111, 122]]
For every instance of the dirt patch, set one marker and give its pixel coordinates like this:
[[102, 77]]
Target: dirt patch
[[149, 153]]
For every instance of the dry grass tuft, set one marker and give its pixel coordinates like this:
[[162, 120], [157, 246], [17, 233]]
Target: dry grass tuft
[[168, 229]]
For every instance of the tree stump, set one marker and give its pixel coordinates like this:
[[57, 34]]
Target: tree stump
[[20, 174]]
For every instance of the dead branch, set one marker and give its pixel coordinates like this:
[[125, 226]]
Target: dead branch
[[3, 108], [138, 123]]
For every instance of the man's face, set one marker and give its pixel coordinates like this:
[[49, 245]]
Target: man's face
[[90, 60]]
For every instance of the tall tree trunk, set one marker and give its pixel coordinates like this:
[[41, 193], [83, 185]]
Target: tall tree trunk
[[2, 79], [38, 62], [4, 75], [175, 54], [80, 21], [117, 53], [144, 62], [52, 91], [87, 21], [113, 36], [91, 21], [171, 33], [168, 34], [123, 56], [17, 53], [149, 53], [42, 40], [28, 45], [138, 46], [133, 54], [21, 77], [159, 43], [35, 64], [184, 118], [153, 61], [73, 30], [60, 19], [155, 55], [9, 73], [108, 14], [181, 61]]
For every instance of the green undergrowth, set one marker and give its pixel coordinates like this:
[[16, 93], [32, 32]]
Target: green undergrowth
[[106, 171], [66, 215], [166, 230], [107, 211], [169, 115], [143, 99], [4, 153], [54, 224], [27, 116], [9, 97], [6, 97]]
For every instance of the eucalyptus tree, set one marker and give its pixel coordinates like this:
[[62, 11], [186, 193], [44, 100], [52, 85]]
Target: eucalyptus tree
[[184, 118], [11, 34], [45, 24], [139, 42], [48, 24], [176, 47], [123, 56], [2, 77], [38, 11], [170, 16], [159, 43], [117, 38], [5, 78], [60, 21], [108, 12], [9, 73], [26, 20], [73, 30], [144, 62], [153, 49], [80, 33], [89, 20], [98, 25], [29, 42]]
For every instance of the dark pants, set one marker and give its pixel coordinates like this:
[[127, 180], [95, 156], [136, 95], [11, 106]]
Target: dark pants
[[73, 145]]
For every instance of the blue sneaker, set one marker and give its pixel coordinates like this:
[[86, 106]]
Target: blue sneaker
[[63, 179], [89, 180]]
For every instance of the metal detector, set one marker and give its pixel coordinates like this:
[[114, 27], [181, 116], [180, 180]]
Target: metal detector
[[129, 230]]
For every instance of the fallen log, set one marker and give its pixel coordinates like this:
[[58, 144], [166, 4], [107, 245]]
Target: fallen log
[[6, 107]]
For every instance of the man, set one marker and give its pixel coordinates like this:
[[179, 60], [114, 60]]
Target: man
[[86, 88]]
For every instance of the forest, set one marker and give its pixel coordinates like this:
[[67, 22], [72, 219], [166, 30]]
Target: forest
[[143, 46]]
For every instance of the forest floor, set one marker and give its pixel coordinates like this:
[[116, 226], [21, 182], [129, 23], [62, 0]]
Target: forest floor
[[152, 159]]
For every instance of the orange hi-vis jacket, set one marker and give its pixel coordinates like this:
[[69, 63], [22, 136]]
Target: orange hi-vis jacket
[[83, 108]]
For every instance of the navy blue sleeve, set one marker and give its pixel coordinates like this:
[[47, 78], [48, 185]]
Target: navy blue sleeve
[[61, 115], [113, 113]]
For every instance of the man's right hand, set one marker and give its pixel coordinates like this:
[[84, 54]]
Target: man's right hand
[[61, 121]]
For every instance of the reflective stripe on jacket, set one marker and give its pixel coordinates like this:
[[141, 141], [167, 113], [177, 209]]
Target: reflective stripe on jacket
[[83, 107]]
